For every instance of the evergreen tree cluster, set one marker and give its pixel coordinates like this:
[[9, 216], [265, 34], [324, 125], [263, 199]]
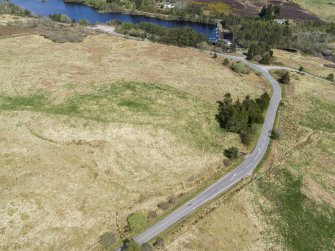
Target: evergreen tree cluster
[[176, 36], [260, 52], [249, 30], [241, 117], [270, 12]]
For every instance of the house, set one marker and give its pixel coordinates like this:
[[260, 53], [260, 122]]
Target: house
[[168, 5], [280, 21]]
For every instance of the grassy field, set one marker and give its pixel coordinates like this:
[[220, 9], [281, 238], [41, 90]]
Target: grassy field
[[93, 132], [325, 9], [294, 201], [313, 65]]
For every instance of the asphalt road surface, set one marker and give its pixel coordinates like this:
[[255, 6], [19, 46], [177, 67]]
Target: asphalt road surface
[[242, 171]]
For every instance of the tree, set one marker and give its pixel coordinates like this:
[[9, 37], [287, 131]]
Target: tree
[[301, 68], [138, 4], [231, 153], [330, 77], [131, 245], [246, 137], [285, 79]]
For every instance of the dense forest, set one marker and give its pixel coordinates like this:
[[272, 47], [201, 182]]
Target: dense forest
[[312, 37]]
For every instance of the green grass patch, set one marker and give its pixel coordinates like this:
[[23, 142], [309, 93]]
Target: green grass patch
[[321, 116], [303, 224], [137, 221], [187, 117]]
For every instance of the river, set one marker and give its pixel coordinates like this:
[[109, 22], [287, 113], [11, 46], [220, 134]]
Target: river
[[79, 11]]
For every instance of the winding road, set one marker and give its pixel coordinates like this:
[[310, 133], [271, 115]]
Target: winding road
[[242, 171]]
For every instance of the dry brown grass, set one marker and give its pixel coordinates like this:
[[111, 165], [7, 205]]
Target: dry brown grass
[[65, 180], [313, 65]]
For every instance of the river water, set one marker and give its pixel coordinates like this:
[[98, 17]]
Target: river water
[[79, 11]]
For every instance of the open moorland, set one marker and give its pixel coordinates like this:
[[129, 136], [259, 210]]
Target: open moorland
[[92, 132], [313, 65], [291, 206]]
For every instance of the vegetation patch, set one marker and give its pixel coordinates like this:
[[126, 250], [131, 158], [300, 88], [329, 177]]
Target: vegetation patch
[[321, 116], [303, 224], [137, 221], [137, 103]]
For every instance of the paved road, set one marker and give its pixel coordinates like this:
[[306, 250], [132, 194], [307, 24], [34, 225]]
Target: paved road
[[244, 170]]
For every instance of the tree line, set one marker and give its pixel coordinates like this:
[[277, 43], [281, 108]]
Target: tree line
[[241, 117], [176, 36]]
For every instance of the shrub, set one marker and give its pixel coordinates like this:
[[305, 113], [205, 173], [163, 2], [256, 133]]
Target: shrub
[[330, 77], [137, 221], [231, 153], [218, 49], [285, 79], [64, 36], [131, 245], [275, 134], [226, 62], [60, 18], [159, 243], [107, 239], [240, 67], [215, 55], [203, 46], [164, 205], [227, 162], [301, 68], [246, 137], [146, 247], [152, 214], [84, 22]]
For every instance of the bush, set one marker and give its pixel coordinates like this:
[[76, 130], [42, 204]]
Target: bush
[[107, 239], [131, 245], [246, 137], [330, 77], [159, 243], [301, 68], [285, 79], [64, 36], [203, 46], [60, 18], [226, 62], [9, 8], [146, 247], [215, 55], [152, 214], [137, 221], [164, 205], [218, 49], [231, 153], [240, 67], [84, 22], [275, 134]]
